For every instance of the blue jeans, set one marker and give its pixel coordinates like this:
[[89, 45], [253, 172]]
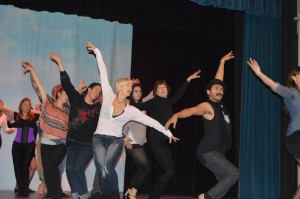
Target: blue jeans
[[107, 150], [78, 158], [225, 172]]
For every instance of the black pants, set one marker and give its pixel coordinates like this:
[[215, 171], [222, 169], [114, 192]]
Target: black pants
[[160, 149], [22, 154], [52, 155], [143, 168]]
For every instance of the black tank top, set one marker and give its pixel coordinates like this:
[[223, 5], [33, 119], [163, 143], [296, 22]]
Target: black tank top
[[217, 132]]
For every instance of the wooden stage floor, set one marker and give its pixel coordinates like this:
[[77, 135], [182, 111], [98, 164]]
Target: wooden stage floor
[[9, 194]]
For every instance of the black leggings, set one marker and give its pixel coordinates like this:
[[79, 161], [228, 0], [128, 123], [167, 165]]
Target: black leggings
[[22, 154], [52, 155], [292, 143], [160, 149], [143, 168]]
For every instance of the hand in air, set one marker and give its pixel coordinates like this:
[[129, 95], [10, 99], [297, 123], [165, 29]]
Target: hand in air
[[90, 46], [228, 56], [195, 75], [252, 63], [56, 58], [27, 67]]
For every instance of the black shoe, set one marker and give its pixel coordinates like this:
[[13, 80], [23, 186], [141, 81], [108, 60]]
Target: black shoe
[[22, 193], [30, 190], [16, 190], [97, 195], [63, 195]]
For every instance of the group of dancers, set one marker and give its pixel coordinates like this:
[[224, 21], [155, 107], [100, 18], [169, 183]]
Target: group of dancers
[[97, 122]]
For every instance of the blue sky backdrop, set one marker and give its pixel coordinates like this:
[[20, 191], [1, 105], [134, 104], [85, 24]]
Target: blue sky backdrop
[[27, 35]]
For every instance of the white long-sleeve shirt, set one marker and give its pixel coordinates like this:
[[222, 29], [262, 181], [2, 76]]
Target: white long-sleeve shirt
[[109, 125]]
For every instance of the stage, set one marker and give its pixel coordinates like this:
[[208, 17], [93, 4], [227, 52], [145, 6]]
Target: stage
[[10, 194]]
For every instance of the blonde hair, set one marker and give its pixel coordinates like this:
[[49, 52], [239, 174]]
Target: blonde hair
[[121, 81]]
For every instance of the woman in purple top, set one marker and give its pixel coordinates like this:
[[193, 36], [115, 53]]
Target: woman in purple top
[[291, 97], [24, 143]]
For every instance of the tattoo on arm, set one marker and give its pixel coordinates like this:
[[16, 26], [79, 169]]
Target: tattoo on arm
[[208, 112], [35, 87]]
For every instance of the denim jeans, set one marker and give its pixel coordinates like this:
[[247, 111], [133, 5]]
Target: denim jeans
[[107, 150], [78, 158], [96, 184], [225, 172]]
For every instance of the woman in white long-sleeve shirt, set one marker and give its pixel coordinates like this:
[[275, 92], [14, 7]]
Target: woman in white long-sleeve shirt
[[108, 139]]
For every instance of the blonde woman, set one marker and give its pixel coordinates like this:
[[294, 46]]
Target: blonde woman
[[108, 139]]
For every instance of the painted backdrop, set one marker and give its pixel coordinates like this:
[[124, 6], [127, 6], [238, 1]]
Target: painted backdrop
[[32, 36]]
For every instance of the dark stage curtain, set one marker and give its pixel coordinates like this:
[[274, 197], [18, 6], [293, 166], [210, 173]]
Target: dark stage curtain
[[270, 8], [173, 54]]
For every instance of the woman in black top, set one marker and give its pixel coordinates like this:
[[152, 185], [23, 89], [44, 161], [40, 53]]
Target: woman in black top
[[160, 109], [83, 119]]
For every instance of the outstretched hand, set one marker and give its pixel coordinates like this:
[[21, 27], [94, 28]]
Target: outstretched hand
[[173, 120], [194, 75], [227, 57], [135, 81], [56, 58], [127, 142], [27, 67], [252, 63], [82, 85], [174, 139], [90, 46]]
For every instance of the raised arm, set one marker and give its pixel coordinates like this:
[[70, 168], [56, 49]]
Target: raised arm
[[182, 89], [57, 59], [64, 78], [195, 75], [220, 71], [106, 88], [200, 109], [82, 86], [35, 81], [252, 63]]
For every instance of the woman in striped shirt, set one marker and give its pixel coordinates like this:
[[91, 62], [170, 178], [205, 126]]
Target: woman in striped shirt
[[53, 122]]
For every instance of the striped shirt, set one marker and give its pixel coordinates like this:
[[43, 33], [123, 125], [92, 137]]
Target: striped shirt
[[54, 120]]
